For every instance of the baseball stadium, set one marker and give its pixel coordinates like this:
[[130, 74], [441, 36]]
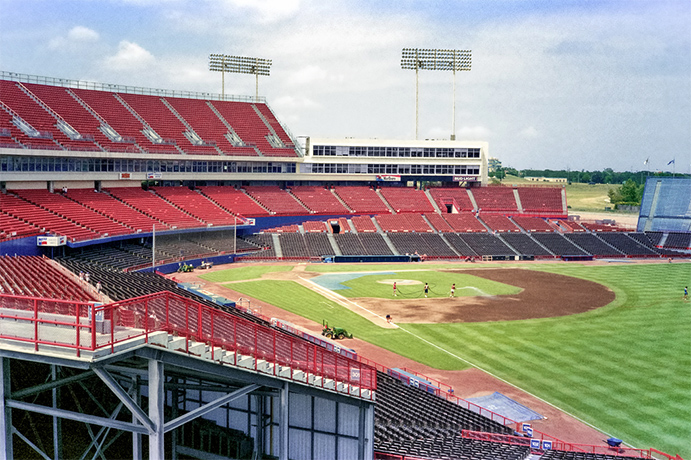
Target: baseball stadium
[[182, 277]]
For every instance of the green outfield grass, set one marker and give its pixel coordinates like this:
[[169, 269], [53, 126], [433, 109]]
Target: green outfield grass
[[624, 368], [244, 273], [439, 285]]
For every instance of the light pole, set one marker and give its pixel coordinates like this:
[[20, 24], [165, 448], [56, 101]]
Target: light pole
[[239, 64], [435, 59]]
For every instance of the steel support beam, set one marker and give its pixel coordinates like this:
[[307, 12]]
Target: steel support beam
[[125, 398], [5, 411], [283, 422], [210, 406], [157, 402]]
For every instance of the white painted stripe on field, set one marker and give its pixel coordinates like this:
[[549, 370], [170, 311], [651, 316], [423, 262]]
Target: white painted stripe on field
[[505, 381]]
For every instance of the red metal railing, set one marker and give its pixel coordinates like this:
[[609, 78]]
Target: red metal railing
[[69, 325]]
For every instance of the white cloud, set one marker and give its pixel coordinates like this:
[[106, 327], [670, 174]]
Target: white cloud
[[529, 133], [76, 36], [290, 103], [474, 133], [130, 56], [268, 11]]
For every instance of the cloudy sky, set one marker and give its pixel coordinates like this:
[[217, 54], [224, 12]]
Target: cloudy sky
[[578, 84]]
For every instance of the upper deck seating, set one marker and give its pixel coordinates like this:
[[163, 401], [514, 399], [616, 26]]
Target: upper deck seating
[[197, 205], [407, 199], [37, 277], [452, 197], [464, 222], [154, 206], [403, 223], [495, 200], [32, 113], [533, 224], [13, 227], [107, 205], [71, 210], [164, 122], [362, 200], [363, 224], [272, 122], [131, 131], [244, 120], [524, 244], [558, 245], [53, 223], [499, 223], [319, 200], [276, 200], [592, 244], [544, 201], [438, 222], [235, 201]]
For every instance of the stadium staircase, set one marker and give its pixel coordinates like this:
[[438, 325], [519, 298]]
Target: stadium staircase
[[334, 245], [431, 200], [333, 192], [518, 200], [388, 205], [277, 245]]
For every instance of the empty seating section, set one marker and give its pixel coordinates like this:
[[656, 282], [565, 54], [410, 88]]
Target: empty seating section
[[598, 227], [318, 245], [48, 135], [37, 277], [678, 240], [363, 224], [558, 245], [438, 222], [277, 128], [108, 108], [343, 225], [524, 244], [164, 122], [13, 227], [197, 205], [349, 244], [460, 245], [495, 199], [246, 123], [626, 244], [533, 224], [422, 244], [592, 244], [362, 200], [406, 199], [544, 201], [563, 455], [374, 244], [403, 223], [29, 212], [153, 205], [235, 201], [276, 200], [570, 226], [499, 223], [263, 241], [293, 245], [283, 229], [319, 200], [75, 212], [314, 226], [486, 245], [452, 197], [109, 206], [464, 222], [62, 102]]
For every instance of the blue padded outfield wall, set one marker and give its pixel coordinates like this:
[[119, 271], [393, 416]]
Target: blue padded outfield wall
[[666, 205]]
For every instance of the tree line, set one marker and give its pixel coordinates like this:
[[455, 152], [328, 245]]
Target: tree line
[[605, 176]]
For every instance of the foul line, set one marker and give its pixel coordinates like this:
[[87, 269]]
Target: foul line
[[505, 381]]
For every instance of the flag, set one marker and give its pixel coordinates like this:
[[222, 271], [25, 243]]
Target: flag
[[671, 162], [646, 161]]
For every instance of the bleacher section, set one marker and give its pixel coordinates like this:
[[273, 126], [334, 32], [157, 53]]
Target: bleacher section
[[626, 244], [319, 200], [592, 244], [126, 122], [234, 201], [197, 205], [403, 223], [438, 222], [486, 245], [452, 197], [363, 224], [279, 202], [426, 244], [464, 222], [533, 224], [542, 201], [37, 277], [13, 227], [406, 199], [498, 200], [558, 245], [362, 200], [153, 205], [115, 209], [499, 223], [525, 245]]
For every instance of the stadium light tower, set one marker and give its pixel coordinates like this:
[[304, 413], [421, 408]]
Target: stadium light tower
[[435, 59], [239, 64]]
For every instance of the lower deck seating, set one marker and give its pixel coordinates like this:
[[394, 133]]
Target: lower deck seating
[[525, 245], [486, 245], [35, 276], [558, 245]]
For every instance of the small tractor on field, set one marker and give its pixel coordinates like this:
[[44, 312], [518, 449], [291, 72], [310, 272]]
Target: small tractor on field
[[334, 332]]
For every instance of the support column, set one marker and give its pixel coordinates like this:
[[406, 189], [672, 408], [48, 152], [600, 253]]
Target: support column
[[283, 423], [156, 407], [366, 431], [57, 421], [5, 411], [137, 437]]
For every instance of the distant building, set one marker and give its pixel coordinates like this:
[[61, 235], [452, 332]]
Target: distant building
[[558, 180]]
